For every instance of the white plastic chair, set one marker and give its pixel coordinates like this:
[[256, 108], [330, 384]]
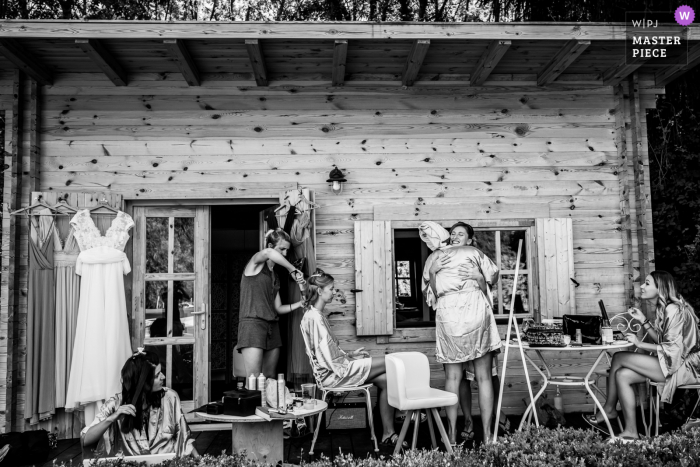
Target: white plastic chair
[[326, 391], [408, 388]]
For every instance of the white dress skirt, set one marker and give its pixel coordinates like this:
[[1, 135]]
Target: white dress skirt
[[102, 343]]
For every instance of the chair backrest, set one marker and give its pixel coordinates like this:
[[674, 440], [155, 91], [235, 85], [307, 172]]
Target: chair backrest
[[400, 385]]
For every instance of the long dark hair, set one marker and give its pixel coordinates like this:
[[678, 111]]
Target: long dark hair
[[138, 374], [315, 283]]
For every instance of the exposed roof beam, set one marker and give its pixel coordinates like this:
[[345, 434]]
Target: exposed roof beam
[[668, 74], [309, 30], [414, 61], [340, 54], [621, 70], [25, 61], [561, 61], [257, 61], [488, 61], [104, 60], [183, 59]]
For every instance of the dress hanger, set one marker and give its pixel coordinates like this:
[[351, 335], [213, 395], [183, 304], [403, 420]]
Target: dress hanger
[[103, 205], [39, 203], [62, 204]]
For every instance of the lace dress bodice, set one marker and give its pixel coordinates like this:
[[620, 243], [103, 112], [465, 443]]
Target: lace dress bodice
[[88, 235]]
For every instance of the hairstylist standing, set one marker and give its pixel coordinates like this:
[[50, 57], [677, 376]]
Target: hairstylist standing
[[259, 337]]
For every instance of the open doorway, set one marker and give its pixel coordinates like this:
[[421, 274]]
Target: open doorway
[[235, 238]]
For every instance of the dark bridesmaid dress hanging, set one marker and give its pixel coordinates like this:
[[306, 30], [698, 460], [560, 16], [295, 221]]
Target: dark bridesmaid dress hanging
[[40, 401]]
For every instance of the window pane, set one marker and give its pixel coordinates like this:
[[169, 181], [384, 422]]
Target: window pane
[[183, 260], [486, 242], [509, 248], [183, 306], [522, 304], [403, 269], [404, 287], [156, 307], [156, 245]]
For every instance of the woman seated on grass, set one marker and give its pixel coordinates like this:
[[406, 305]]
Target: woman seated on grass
[[332, 366], [154, 425], [677, 360]]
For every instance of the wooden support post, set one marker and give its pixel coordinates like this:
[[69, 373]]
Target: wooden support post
[[340, 53], [25, 61], [640, 188], [414, 61], [183, 59], [687, 61], [621, 70], [561, 61], [257, 61], [488, 61], [94, 49], [9, 295], [34, 137], [623, 181]]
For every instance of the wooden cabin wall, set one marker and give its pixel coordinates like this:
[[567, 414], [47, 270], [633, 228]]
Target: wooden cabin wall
[[507, 143]]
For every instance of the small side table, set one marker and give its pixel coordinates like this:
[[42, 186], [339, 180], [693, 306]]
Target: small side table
[[260, 438]]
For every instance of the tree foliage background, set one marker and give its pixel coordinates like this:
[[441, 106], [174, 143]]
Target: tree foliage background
[[674, 140]]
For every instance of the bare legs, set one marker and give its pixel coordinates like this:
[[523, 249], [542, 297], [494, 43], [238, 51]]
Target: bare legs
[[629, 368], [258, 361], [377, 376], [453, 377], [482, 372]]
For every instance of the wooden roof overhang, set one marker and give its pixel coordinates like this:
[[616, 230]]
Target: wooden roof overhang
[[267, 53]]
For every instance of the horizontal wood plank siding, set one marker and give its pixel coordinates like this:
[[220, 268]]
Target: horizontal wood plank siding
[[507, 146]]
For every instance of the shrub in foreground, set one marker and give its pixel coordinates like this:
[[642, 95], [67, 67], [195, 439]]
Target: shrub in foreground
[[536, 447]]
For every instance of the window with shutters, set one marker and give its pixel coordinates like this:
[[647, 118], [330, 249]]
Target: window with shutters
[[545, 288]]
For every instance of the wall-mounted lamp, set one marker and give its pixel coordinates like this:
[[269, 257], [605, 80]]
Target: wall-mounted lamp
[[336, 179]]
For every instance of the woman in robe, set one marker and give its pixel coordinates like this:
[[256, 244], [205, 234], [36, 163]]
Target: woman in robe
[[334, 367], [154, 424], [456, 279], [677, 360]]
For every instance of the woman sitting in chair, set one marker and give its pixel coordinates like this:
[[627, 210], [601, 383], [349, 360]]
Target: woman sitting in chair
[[677, 348], [153, 425], [332, 366]]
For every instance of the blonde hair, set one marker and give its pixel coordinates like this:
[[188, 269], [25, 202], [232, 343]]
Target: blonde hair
[[318, 280], [275, 236], [668, 293]]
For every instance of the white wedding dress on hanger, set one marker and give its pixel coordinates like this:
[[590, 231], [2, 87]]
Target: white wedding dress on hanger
[[102, 342]]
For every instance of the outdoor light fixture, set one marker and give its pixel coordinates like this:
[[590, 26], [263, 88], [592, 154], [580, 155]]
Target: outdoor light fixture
[[336, 179]]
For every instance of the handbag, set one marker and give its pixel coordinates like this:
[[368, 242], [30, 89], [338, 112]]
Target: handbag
[[589, 326]]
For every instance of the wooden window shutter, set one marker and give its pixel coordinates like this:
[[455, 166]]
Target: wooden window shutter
[[555, 265], [374, 271]]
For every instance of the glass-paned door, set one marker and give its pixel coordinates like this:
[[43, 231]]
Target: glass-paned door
[[171, 298]]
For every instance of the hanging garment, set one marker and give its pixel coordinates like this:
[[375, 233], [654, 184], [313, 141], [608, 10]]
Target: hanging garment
[[299, 369], [102, 343], [67, 283], [40, 400]]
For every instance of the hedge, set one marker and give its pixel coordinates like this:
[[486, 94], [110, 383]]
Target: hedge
[[536, 447]]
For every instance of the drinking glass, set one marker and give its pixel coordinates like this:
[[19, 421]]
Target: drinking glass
[[308, 393]]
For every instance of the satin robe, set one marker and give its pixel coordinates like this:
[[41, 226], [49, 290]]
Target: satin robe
[[167, 431], [678, 349], [331, 365]]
